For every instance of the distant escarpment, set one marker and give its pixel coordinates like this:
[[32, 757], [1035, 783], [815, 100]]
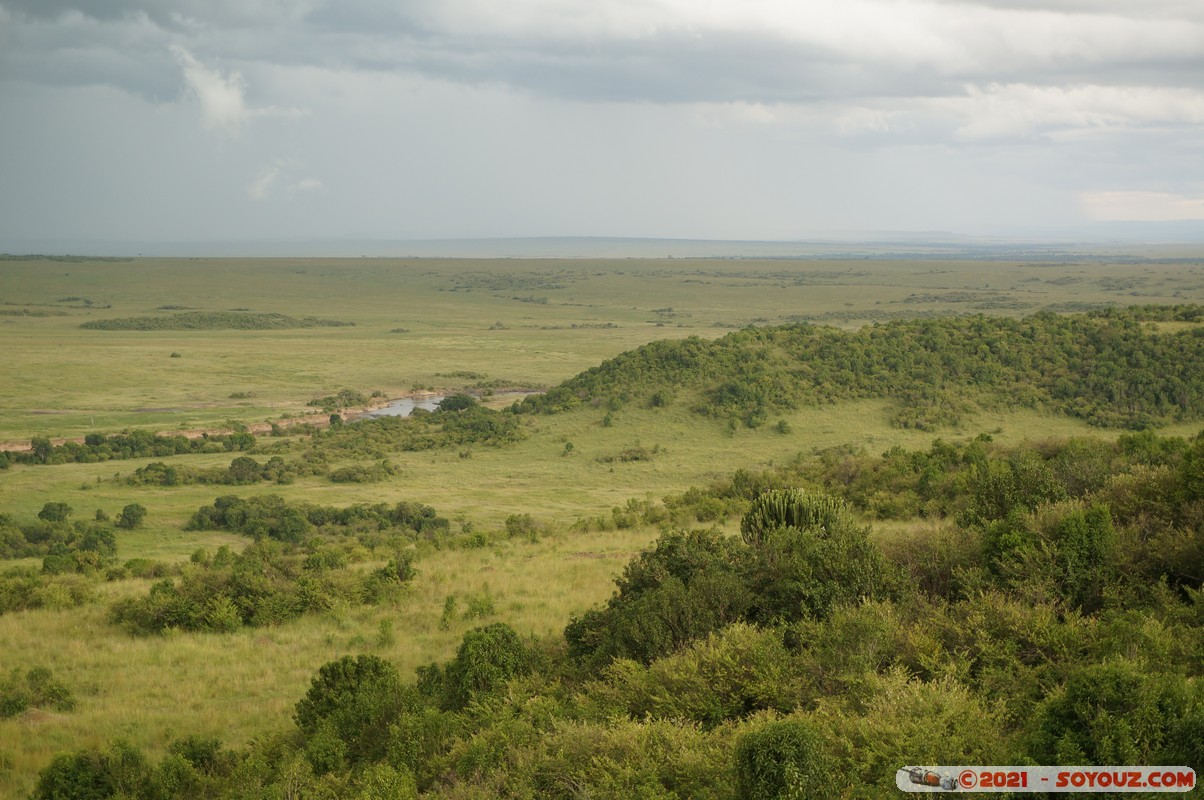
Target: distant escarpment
[[211, 321]]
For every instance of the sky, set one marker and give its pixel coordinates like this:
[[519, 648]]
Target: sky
[[241, 120]]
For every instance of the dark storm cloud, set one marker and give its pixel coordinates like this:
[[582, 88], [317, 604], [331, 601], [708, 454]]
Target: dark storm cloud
[[652, 52]]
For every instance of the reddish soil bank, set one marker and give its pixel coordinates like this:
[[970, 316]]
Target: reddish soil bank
[[317, 419]]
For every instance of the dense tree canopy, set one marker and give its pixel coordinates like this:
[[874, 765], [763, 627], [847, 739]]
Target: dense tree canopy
[[1112, 368]]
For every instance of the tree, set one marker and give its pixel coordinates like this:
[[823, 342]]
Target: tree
[[810, 556], [42, 449], [131, 516], [55, 512], [1087, 554], [486, 659], [689, 585], [457, 402], [245, 469], [354, 700], [1116, 713]]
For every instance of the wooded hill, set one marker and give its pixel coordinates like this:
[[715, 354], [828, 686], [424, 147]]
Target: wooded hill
[[1115, 368]]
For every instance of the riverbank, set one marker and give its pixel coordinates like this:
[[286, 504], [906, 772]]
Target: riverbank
[[314, 419]]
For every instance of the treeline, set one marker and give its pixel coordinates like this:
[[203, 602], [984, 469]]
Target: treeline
[[64, 259], [800, 659], [245, 470], [211, 320], [272, 517], [1111, 368], [128, 444]]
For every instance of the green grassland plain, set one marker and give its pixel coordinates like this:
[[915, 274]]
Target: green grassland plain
[[525, 323], [528, 322]]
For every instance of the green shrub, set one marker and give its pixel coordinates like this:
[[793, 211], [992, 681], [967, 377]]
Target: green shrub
[[383, 782], [781, 760], [386, 583], [789, 508], [47, 692], [457, 402], [348, 709], [360, 473], [203, 753], [131, 516], [486, 659], [25, 589], [522, 525], [122, 771], [54, 512], [999, 487], [811, 571], [15, 696], [728, 675], [1086, 546], [1116, 713], [687, 586], [898, 720], [77, 776]]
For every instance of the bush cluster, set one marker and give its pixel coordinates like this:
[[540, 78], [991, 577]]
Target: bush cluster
[[26, 589], [66, 546], [803, 556], [264, 585], [271, 517], [828, 702], [35, 688]]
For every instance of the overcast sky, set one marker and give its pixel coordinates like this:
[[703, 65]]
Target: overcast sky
[[205, 120]]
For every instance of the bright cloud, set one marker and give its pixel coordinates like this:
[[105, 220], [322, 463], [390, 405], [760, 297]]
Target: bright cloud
[[261, 186], [1141, 206], [222, 96], [306, 185], [1017, 110]]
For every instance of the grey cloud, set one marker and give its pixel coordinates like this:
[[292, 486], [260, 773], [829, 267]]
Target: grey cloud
[[740, 117], [53, 9], [922, 50], [171, 13]]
